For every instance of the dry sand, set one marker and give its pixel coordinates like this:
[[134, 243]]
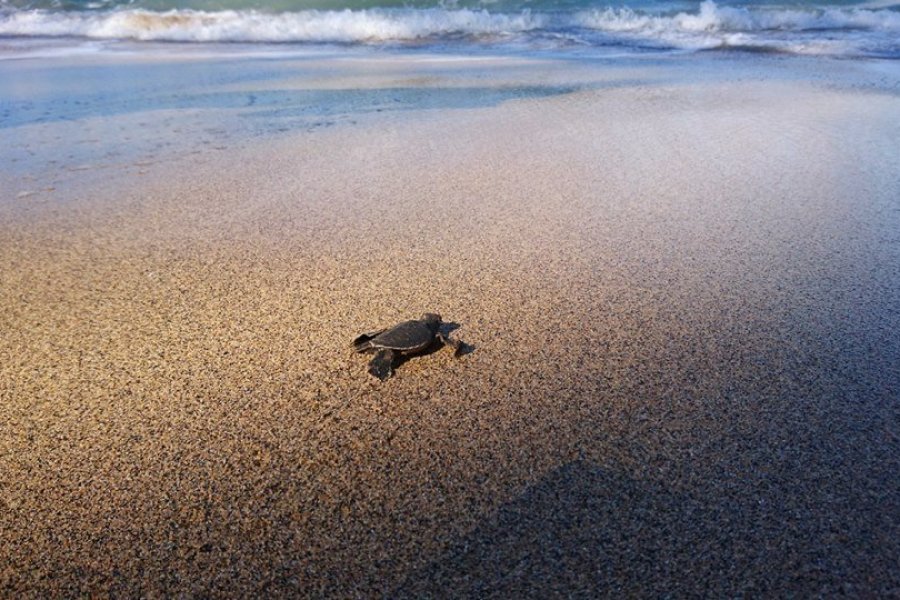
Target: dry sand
[[682, 298]]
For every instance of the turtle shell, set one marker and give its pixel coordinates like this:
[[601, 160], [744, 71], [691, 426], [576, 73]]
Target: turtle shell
[[409, 336]]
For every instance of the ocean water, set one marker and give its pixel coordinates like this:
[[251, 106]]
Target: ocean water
[[841, 28]]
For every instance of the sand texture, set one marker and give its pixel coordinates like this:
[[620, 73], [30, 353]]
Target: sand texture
[[681, 298]]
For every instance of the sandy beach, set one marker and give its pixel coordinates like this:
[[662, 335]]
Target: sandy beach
[[679, 280]]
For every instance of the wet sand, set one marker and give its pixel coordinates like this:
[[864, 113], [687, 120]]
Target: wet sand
[[681, 299]]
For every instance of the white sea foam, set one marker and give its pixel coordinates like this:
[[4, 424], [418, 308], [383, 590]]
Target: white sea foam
[[716, 26], [814, 30], [713, 18], [251, 26]]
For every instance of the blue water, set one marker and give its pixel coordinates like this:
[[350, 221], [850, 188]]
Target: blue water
[[834, 28]]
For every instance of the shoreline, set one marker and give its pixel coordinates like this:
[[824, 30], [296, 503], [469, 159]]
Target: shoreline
[[680, 291]]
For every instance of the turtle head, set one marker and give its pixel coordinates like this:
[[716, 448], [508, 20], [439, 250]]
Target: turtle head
[[432, 320]]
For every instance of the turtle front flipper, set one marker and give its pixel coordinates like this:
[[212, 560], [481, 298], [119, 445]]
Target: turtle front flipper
[[361, 344], [449, 341], [382, 365]]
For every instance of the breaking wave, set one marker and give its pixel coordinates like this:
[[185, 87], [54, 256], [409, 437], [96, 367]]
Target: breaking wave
[[371, 25], [874, 30]]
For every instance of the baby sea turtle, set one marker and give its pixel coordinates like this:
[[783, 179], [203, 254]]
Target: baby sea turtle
[[404, 339]]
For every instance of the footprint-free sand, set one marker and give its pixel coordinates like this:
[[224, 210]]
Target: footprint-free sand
[[680, 285]]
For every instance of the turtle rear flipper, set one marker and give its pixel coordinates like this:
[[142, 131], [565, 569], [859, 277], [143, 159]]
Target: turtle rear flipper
[[361, 344], [382, 365]]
